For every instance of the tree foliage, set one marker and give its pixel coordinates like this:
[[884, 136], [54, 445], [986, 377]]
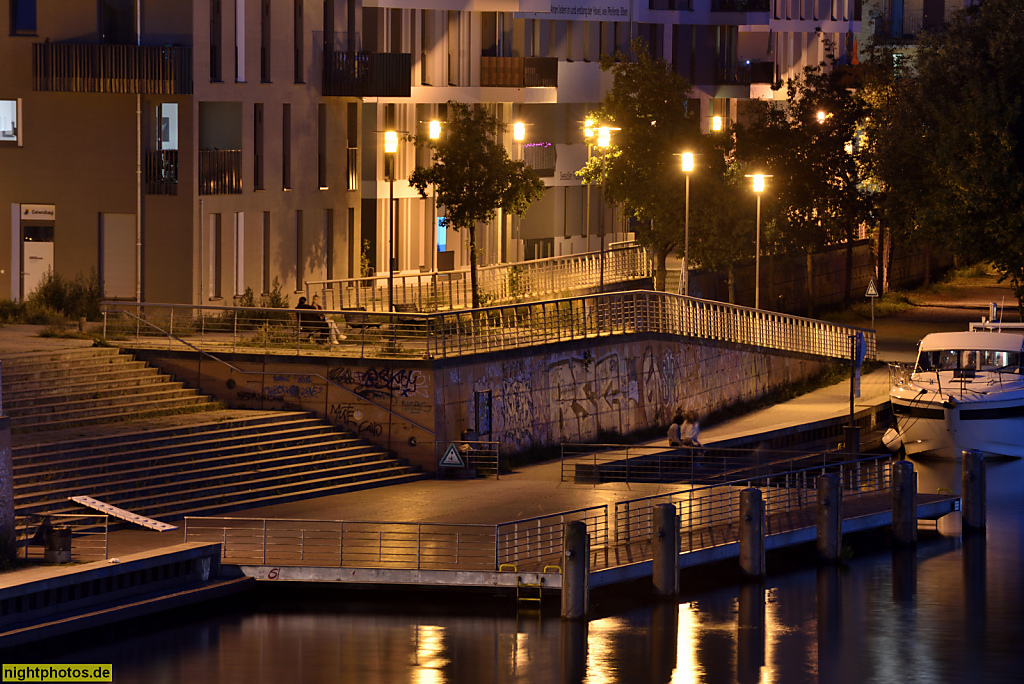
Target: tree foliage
[[648, 107], [958, 121], [473, 176]]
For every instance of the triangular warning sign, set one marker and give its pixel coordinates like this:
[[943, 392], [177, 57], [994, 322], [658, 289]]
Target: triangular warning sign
[[872, 291], [452, 457]]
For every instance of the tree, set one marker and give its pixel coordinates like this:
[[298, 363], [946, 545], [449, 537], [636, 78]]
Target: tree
[[473, 176], [812, 149], [964, 106], [648, 106]]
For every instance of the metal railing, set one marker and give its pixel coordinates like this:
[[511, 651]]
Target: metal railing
[[482, 456], [85, 68], [461, 333], [220, 172], [90, 534], [715, 507], [335, 543], [708, 516], [498, 284]]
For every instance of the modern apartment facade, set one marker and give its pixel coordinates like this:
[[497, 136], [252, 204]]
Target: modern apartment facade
[[189, 150]]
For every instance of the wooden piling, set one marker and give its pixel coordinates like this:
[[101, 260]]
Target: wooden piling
[[665, 543], [904, 502], [973, 505], [752, 530], [575, 571], [830, 517]]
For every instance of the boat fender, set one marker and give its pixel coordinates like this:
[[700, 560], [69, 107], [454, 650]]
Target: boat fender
[[892, 440], [950, 403]]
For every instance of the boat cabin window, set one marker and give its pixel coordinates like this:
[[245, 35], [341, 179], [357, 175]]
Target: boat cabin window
[[969, 359]]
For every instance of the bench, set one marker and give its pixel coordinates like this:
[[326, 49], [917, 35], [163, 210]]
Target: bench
[[357, 319], [311, 322]]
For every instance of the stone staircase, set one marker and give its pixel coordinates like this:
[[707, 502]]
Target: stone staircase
[[106, 426]]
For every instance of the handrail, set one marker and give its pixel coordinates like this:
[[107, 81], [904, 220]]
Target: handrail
[[235, 369], [500, 328]]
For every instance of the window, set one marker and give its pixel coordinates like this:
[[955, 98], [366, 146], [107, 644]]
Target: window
[[215, 38], [299, 76], [240, 41], [257, 146], [167, 126], [329, 242], [10, 119], [216, 256], [23, 17], [286, 147], [300, 275], [321, 148], [265, 42], [265, 286], [239, 253]]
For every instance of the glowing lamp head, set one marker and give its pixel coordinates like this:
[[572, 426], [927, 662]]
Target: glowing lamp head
[[435, 129], [588, 129], [390, 142], [604, 136], [716, 123], [758, 183], [821, 116], [687, 162], [519, 131]]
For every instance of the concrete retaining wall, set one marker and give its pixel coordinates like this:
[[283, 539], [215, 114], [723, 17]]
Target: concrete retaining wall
[[572, 392], [6, 489]]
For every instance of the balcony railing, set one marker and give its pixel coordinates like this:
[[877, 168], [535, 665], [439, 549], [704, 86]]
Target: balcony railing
[[220, 172], [519, 72], [740, 5], [745, 73], [162, 172], [541, 157], [83, 68], [367, 74]]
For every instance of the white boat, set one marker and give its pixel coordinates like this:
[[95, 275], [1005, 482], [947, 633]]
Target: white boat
[[966, 391]]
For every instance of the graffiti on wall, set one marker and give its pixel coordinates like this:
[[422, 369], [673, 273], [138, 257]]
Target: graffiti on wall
[[516, 412], [352, 418], [283, 388], [588, 396], [381, 384]]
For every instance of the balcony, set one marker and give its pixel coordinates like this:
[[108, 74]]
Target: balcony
[[740, 5], [162, 172], [541, 158], [367, 74], [745, 73], [82, 68], [519, 72], [220, 172]]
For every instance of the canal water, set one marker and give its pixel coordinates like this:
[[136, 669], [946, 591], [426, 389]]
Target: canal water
[[950, 610]]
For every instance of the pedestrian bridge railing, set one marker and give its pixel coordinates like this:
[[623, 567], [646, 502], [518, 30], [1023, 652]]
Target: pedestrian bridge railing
[[460, 333], [706, 514], [498, 284]]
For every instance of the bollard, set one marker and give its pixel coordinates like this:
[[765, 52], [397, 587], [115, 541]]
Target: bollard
[[852, 433], [665, 542], [752, 532], [973, 509], [904, 502], [830, 517], [575, 570]]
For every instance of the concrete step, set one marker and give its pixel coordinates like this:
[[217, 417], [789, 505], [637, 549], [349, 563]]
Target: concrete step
[[68, 355], [68, 405], [45, 476], [84, 383], [122, 413], [18, 369]]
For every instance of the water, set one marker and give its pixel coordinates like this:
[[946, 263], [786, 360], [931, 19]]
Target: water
[[947, 611]]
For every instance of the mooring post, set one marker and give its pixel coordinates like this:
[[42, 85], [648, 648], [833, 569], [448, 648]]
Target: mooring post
[[665, 542], [575, 570], [904, 502], [973, 508], [752, 529], [830, 517]]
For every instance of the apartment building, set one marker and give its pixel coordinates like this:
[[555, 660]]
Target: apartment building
[[187, 150]]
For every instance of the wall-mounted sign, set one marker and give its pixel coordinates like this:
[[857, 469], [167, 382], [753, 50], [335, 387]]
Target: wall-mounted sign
[[600, 10], [38, 212]]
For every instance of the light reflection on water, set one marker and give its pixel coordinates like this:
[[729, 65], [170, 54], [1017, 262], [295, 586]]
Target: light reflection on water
[[947, 611]]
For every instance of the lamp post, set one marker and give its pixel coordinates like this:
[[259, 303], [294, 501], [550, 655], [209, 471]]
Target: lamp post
[[685, 280], [588, 136], [604, 140], [758, 189], [518, 136], [390, 148], [435, 134]]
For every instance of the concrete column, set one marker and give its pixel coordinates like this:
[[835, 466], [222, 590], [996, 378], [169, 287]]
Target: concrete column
[[752, 529], [665, 543], [904, 502], [575, 571], [830, 517], [973, 508]]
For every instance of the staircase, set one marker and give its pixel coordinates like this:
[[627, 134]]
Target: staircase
[[95, 428]]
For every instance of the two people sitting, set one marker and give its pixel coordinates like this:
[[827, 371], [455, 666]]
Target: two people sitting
[[317, 324], [684, 430]]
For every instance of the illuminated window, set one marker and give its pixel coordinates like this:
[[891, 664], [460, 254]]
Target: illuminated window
[[10, 130]]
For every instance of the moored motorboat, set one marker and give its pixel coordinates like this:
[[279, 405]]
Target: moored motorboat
[[966, 391]]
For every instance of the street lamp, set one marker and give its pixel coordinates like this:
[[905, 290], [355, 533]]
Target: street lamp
[[604, 140], [685, 279], [434, 131], [588, 135], [390, 148], [716, 124], [758, 189]]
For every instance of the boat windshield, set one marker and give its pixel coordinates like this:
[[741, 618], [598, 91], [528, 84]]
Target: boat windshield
[[969, 359]]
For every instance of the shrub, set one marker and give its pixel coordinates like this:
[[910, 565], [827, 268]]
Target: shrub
[[71, 299]]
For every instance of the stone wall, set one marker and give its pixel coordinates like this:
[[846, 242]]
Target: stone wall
[[539, 397]]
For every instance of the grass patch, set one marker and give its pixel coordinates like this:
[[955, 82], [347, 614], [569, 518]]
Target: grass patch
[[958, 278], [859, 315]]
